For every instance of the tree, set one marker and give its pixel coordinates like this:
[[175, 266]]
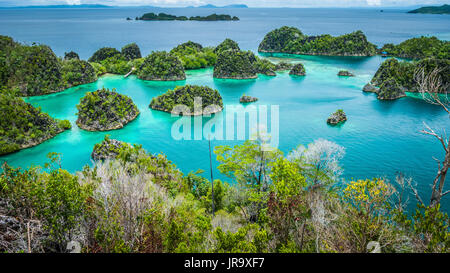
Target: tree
[[434, 91], [319, 162]]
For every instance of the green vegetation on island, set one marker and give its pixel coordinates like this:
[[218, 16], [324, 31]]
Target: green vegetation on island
[[337, 117], [108, 149], [168, 17], [35, 70], [444, 9], [185, 96], [292, 41], [247, 99], [345, 73], [76, 72], [105, 110], [235, 64], [161, 66], [131, 52], [393, 78], [71, 55], [194, 55], [23, 125], [298, 70], [419, 48], [225, 45]]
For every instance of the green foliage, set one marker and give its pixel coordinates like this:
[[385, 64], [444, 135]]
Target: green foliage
[[99, 69], [71, 55], [194, 56], [226, 45], [298, 70], [104, 110], [23, 125], [56, 198], [35, 70], [433, 226], [235, 64], [291, 40], [77, 72], [278, 39], [131, 52], [395, 77], [103, 54], [419, 48], [161, 66], [248, 239], [185, 95]]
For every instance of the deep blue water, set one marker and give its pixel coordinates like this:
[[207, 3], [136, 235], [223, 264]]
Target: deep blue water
[[381, 138]]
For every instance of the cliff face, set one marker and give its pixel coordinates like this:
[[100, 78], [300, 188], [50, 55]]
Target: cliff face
[[291, 40], [161, 66], [105, 110]]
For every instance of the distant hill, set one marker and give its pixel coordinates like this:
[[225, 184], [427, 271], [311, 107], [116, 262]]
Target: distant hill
[[236, 6], [444, 9], [83, 6]]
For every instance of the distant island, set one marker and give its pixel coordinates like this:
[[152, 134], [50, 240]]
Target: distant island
[[444, 9], [235, 6], [168, 17]]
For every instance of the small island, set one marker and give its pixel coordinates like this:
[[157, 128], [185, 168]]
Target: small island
[[345, 73], [298, 70], [393, 78], [247, 99], [444, 9], [226, 45], [283, 66], [418, 48], [108, 149], [292, 41], [235, 64], [105, 110], [211, 101], [23, 125], [168, 17], [337, 117], [161, 66]]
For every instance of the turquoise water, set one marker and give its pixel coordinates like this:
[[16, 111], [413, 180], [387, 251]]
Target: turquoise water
[[381, 138]]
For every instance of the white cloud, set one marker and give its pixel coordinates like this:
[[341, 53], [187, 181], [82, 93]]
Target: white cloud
[[374, 2], [73, 2]]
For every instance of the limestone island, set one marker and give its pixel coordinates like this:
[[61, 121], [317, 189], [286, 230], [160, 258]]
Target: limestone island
[[283, 66], [247, 99], [211, 101], [298, 70], [393, 78], [194, 55], [23, 125], [105, 110], [418, 48], [235, 64], [444, 9], [108, 149], [168, 17], [292, 41], [161, 66], [36, 70], [337, 117], [345, 73]]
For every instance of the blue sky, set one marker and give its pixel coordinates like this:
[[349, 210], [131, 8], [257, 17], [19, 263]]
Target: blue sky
[[251, 3]]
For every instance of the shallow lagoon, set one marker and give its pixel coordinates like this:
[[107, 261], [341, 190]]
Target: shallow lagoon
[[381, 138]]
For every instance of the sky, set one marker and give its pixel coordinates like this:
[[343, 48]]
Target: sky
[[250, 3]]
